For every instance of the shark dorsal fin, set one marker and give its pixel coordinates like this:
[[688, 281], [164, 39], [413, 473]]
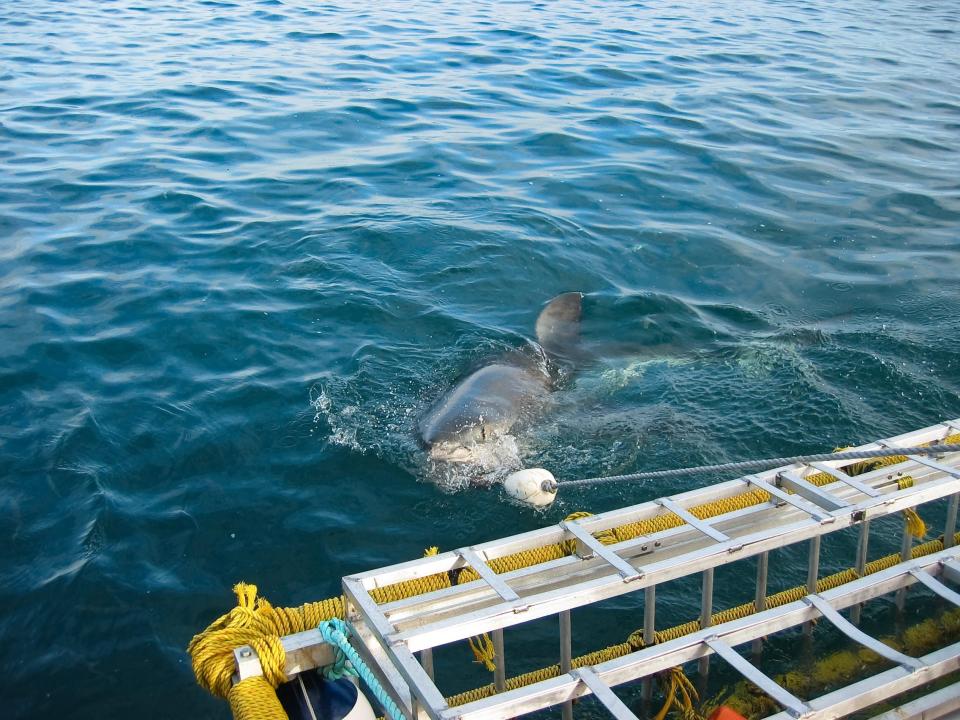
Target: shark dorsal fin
[[558, 327]]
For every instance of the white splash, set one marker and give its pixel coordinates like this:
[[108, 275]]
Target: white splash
[[490, 462]]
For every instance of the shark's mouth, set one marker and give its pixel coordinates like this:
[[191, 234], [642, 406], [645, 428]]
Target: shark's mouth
[[454, 452], [456, 464]]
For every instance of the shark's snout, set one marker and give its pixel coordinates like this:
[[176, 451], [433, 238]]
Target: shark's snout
[[450, 452]]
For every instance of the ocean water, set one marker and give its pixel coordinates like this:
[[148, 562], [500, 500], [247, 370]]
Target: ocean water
[[244, 245]]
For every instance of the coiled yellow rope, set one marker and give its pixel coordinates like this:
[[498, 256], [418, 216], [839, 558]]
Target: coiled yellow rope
[[255, 622]]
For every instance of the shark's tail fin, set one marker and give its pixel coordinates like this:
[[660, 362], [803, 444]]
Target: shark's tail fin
[[558, 327]]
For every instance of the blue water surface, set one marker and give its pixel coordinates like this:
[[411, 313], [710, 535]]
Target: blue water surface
[[244, 245]]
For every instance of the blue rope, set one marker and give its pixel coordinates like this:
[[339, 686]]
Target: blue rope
[[337, 633]]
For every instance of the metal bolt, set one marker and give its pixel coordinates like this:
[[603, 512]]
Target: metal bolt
[[245, 653]]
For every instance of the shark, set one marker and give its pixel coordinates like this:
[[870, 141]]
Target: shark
[[485, 405]]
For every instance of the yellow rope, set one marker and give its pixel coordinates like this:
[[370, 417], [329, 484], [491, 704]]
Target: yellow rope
[[483, 651], [678, 693], [255, 622], [255, 699], [252, 622], [915, 524]]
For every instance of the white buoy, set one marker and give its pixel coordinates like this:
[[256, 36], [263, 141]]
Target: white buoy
[[534, 486], [310, 695], [361, 710]]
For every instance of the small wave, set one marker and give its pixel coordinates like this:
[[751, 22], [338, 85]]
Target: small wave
[[307, 36]]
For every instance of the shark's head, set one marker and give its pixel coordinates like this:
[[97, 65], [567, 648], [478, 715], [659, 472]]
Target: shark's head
[[472, 422]]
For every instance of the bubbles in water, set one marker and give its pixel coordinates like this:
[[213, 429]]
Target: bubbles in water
[[320, 402], [617, 378], [761, 359], [346, 437], [343, 430]]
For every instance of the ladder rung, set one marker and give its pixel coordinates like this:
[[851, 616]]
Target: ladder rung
[[858, 636], [474, 560], [951, 570], [627, 571], [933, 464], [794, 483], [841, 476], [357, 595], [946, 469], [814, 511], [936, 586], [692, 520], [603, 693], [938, 704], [793, 705]]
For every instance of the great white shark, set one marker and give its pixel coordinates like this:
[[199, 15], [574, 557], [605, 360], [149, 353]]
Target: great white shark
[[486, 404]]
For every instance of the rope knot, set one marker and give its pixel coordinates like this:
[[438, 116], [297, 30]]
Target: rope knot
[[483, 651], [636, 640], [337, 634]]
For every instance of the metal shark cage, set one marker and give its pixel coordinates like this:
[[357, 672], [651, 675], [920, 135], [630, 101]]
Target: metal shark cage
[[397, 638]]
